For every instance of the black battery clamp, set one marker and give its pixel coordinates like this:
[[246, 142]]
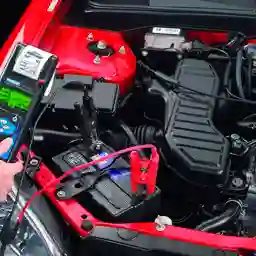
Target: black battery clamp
[[23, 82]]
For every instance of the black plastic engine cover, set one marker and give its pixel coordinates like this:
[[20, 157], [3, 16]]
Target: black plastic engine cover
[[197, 147]]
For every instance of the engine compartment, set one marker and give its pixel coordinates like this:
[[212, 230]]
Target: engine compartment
[[190, 93]]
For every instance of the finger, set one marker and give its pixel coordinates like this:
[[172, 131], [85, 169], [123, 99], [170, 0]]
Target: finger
[[14, 168], [5, 145], [19, 157], [3, 196]]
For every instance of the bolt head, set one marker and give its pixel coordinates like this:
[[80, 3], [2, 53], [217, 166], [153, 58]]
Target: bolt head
[[101, 45], [144, 53], [235, 136], [96, 60], [34, 162], [61, 193], [90, 37]]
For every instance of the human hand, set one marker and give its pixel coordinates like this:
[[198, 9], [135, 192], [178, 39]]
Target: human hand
[[7, 171]]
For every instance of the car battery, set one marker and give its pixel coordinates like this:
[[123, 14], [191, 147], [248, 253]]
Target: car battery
[[110, 198]]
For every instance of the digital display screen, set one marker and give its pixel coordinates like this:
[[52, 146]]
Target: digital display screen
[[14, 98]]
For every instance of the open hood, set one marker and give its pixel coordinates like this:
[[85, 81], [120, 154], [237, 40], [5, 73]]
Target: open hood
[[245, 7]]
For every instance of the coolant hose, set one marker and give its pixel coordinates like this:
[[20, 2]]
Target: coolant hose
[[239, 84], [223, 219]]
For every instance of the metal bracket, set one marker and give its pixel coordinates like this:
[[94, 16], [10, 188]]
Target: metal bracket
[[72, 188], [33, 166]]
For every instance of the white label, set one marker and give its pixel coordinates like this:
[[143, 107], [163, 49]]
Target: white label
[[168, 31], [31, 62], [52, 5]]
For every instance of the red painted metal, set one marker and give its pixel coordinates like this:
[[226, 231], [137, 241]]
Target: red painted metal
[[70, 44], [32, 27], [208, 37]]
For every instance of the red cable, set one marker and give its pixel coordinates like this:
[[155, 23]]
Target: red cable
[[78, 168]]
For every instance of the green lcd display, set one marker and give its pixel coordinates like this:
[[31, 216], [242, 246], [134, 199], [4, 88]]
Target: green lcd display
[[14, 98]]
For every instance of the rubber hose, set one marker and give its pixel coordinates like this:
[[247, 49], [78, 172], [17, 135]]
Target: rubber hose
[[250, 75], [239, 74], [147, 134], [223, 219], [227, 74], [130, 135], [57, 133]]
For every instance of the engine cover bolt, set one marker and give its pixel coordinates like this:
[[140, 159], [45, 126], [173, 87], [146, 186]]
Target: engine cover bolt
[[96, 60], [90, 37], [61, 194]]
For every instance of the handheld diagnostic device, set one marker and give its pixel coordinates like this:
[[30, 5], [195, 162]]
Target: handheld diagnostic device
[[23, 82]]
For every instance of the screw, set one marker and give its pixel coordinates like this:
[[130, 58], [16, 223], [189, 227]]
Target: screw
[[101, 45], [61, 194], [34, 162], [98, 147], [90, 37], [96, 60], [235, 136], [15, 119], [179, 56], [144, 53]]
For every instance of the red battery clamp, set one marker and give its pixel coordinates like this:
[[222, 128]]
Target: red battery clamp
[[144, 172]]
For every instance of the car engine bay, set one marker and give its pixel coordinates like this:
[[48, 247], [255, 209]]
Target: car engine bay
[[190, 93]]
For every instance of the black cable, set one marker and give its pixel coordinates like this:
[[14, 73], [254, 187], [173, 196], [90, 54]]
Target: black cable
[[249, 116], [227, 74], [174, 82], [226, 217], [249, 75], [130, 135], [3, 249], [239, 60], [57, 133], [232, 94], [213, 49], [7, 225]]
